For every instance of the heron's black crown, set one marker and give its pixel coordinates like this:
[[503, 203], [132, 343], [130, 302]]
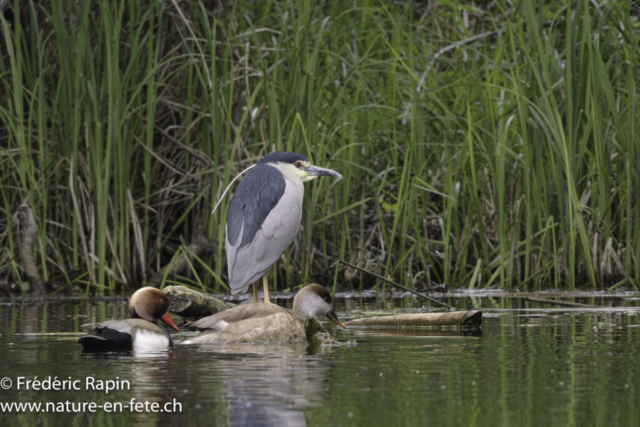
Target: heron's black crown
[[283, 157]]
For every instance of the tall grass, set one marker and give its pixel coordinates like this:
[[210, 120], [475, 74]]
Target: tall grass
[[482, 144]]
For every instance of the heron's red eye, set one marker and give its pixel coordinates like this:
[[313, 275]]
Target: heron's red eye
[[297, 164]]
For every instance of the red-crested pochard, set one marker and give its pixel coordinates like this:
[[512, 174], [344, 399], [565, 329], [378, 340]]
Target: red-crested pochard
[[143, 332]]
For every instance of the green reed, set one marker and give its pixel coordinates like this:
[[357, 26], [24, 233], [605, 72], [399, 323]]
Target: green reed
[[481, 144]]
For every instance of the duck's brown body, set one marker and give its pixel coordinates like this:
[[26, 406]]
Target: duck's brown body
[[265, 323], [252, 323], [142, 333]]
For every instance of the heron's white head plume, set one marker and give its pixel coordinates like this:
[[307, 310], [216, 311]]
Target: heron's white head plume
[[227, 189]]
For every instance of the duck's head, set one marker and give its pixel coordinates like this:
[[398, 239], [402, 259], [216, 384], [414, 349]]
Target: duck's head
[[316, 299], [151, 304]]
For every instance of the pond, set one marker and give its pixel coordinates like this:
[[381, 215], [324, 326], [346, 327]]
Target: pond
[[529, 366]]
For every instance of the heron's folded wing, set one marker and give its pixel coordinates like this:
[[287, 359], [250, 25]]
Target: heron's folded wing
[[280, 227], [256, 196]]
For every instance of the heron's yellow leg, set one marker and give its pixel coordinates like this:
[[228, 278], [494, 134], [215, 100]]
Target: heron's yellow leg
[[255, 292], [266, 290]]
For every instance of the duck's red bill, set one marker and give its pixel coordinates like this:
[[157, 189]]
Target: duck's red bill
[[166, 318]]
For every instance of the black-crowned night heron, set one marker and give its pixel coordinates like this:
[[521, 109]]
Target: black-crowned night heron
[[264, 217]]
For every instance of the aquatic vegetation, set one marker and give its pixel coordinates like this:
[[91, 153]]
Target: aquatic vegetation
[[488, 144]]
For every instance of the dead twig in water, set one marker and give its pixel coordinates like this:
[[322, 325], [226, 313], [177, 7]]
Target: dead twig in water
[[335, 282]]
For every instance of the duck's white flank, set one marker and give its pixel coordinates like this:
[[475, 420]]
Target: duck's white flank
[[145, 340]]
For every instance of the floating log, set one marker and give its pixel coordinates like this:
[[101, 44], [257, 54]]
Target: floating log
[[187, 302], [562, 303], [457, 319]]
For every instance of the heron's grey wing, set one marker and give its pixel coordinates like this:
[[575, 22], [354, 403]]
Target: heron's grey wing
[[222, 320], [278, 230], [256, 196]]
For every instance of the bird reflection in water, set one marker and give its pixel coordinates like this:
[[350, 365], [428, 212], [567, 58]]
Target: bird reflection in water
[[269, 385]]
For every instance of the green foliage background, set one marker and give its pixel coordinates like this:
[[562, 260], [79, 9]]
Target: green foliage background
[[481, 143]]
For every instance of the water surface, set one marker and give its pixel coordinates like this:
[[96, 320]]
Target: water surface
[[551, 367]]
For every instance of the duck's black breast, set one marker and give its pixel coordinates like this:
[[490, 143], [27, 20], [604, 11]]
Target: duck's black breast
[[118, 335], [103, 338]]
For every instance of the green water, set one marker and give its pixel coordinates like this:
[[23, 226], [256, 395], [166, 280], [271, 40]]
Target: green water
[[546, 368]]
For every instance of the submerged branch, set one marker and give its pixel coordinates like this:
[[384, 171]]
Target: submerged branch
[[562, 303], [318, 337]]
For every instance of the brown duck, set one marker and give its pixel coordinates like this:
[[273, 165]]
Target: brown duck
[[265, 323], [143, 332]]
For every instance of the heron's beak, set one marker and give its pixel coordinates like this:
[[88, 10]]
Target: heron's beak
[[334, 317], [317, 171]]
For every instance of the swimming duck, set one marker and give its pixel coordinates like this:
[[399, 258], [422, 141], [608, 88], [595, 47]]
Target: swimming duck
[[143, 332], [262, 323]]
